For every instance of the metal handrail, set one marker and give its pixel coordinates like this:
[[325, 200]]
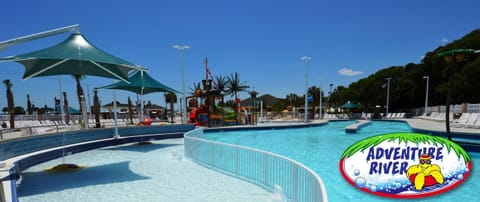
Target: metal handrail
[[266, 169]]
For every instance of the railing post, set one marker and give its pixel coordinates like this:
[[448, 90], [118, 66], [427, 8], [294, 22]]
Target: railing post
[[295, 183], [2, 191], [213, 155], [283, 171], [236, 161], [265, 170]]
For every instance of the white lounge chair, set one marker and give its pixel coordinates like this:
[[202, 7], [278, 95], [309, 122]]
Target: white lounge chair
[[477, 123], [472, 120], [461, 121]]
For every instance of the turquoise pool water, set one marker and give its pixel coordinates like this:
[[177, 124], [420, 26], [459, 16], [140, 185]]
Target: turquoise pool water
[[320, 149], [130, 173]]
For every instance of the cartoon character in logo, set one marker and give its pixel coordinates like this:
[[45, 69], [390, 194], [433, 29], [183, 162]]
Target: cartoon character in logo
[[425, 173]]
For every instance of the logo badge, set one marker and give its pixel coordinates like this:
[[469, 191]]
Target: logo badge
[[405, 165]]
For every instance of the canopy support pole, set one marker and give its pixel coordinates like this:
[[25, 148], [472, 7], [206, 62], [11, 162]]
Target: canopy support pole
[[116, 136]]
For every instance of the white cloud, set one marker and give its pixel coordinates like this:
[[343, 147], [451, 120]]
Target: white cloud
[[348, 72], [444, 40]]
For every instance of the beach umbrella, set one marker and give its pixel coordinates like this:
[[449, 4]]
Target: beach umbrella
[[74, 56], [349, 105]]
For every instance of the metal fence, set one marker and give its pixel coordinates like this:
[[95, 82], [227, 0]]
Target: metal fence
[[454, 108], [268, 170]]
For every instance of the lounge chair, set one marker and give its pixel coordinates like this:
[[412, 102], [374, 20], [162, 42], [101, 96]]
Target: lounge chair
[[477, 123], [472, 120], [461, 121]]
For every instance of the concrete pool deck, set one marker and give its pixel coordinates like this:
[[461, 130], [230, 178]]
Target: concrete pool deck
[[416, 123]]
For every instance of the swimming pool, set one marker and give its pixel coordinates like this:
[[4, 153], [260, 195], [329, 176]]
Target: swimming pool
[[156, 172], [320, 149]]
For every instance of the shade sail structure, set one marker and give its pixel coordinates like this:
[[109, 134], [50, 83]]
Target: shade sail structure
[[349, 105], [74, 56], [140, 83]]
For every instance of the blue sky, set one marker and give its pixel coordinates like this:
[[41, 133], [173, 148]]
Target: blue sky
[[261, 40]]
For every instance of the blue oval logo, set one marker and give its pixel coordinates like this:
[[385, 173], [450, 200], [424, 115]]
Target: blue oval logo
[[405, 165]]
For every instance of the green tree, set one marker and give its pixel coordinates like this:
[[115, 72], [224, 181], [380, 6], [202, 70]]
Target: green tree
[[19, 110], [234, 86], [10, 102], [171, 98], [5, 110], [231, 103], [315, 92], [290, 98], [221, 83]]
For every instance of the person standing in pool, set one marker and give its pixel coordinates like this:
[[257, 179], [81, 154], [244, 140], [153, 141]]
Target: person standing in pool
[[425, 173]]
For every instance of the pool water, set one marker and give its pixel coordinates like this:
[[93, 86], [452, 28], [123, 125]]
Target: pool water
[[321, 147], [156, 172]]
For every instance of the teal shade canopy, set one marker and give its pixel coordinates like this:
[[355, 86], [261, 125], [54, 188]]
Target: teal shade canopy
[[349, 105], [141, 83], [74, 56]]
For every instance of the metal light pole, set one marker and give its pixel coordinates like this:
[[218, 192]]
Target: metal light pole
[[330, 97], [181, 48], [388, 92], [306, 59], [321, 98], [426, 96]]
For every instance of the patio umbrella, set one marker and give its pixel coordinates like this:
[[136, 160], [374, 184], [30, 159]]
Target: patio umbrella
[[141, 83], [349, 105], [74, 56]]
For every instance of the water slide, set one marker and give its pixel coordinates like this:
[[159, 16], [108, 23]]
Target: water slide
[[228, 114]]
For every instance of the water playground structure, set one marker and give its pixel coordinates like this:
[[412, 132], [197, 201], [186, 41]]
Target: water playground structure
[[211, 112], [206, 107]]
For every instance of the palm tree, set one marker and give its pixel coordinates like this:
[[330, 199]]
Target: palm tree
[[315, 92], [221, 83], [196, 90], [292, 99], [66, 108], [11, 104], [29, 105], [96, 108], [234, 86], [172, 99], [80, 93]]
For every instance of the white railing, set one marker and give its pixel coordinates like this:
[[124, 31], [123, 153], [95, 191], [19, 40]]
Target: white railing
[[268, 170]]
